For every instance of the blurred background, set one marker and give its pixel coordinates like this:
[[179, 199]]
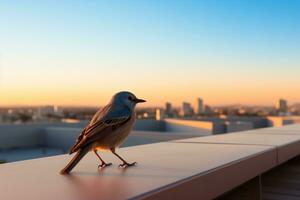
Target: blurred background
[[204, 67]]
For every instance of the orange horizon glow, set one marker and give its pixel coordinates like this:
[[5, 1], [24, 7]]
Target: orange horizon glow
[[225, 53], [82, 88], [88, 97]]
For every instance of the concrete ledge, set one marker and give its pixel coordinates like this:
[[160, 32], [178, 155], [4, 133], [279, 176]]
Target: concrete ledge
[[287, 152], [161, 166], [218, 181], [197, 168], [288, 146]]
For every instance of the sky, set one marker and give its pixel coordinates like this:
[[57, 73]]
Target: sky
[[82, 52]]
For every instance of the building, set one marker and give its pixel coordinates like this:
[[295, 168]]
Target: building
[[199, 107], [46, 110], [169, 110], [282, 106], [158, 114], [187, 110], [238, 126], [208, 110]]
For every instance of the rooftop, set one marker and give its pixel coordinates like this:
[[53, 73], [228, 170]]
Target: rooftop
[[205, 168]]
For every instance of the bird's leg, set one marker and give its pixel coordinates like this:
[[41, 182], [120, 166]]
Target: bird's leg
[[125, 163], [103, 164]]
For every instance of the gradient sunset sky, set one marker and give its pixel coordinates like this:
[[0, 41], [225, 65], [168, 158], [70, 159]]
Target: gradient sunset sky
[[82, 52]]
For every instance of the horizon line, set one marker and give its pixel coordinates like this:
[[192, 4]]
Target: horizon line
[[143, 106]]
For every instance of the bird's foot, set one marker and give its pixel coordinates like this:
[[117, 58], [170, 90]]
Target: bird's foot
[[126, 164], [103, 165]]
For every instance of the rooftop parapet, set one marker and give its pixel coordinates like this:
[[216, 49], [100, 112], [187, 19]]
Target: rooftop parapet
[[198, 168]]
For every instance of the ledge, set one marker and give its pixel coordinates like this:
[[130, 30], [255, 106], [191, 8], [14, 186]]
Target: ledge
[[285, 140], [194, 168]]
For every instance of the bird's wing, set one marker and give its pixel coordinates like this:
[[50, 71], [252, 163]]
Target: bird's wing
[[107, 122], [96, 118], [100, 114]]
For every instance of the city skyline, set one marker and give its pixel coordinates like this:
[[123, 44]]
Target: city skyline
[[79, 53], [193, 103]]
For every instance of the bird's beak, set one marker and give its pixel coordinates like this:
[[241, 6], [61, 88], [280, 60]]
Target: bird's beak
[[139, 100]]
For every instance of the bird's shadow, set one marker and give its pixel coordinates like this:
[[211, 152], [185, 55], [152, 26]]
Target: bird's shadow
[[101, 171]]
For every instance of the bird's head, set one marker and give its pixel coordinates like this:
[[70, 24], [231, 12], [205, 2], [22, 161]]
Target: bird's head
[[126, 98]]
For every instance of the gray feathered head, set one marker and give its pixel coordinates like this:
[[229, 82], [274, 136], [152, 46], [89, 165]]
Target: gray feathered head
[[127, 99]]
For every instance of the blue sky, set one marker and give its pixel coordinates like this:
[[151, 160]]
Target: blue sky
[[184, 48]]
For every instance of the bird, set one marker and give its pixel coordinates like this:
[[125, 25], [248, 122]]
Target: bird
[[107, 130]]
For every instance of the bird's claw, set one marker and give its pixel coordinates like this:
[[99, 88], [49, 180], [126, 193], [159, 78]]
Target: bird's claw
[[125, 164], [104, 165]]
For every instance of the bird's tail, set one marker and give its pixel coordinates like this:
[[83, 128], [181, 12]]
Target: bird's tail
[[78, 156]]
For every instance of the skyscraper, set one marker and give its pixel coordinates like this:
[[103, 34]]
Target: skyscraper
[[169, 109], [187, 109], [282, 106], [199, 107]]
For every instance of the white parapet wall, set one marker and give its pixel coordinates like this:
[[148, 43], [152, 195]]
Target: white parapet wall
[[20, 136], [25, 141], [283, 120], [238, 126], [195, 126], [149, 125]]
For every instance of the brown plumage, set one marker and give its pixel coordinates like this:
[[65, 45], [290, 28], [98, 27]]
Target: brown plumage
[[108, 128]]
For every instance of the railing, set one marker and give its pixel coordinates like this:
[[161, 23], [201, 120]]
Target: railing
[[197, 168]]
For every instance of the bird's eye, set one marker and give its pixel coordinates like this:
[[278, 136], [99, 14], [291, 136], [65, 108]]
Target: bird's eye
[[130, 98]]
